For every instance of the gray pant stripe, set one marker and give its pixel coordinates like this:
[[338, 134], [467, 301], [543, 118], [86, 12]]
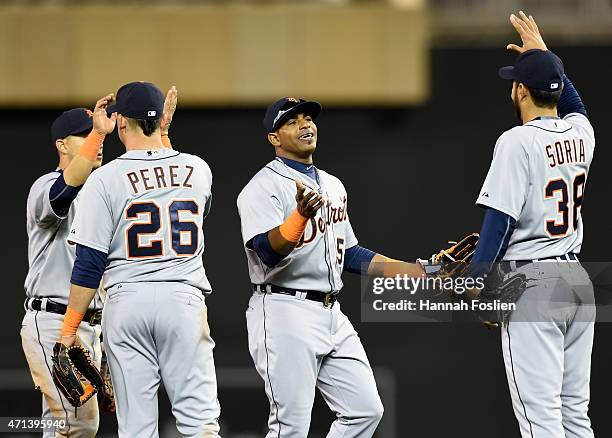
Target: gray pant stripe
[[267, 362], [514, 378]]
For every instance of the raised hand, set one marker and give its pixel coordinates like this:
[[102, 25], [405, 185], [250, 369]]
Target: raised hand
[[101, 122], [529, 33], [169, 108], [307, 204]]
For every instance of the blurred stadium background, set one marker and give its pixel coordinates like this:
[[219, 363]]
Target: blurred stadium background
[[412, 108]]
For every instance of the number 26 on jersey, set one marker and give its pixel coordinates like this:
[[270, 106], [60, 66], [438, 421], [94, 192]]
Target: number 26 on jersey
[[146, 219]]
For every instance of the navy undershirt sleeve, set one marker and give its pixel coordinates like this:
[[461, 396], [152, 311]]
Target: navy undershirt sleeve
[[497, 228], [357, 259], [261, 245], [570, 101], [61, 196], [88, 267]]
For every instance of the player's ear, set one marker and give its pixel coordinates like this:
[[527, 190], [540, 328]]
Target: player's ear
[[61, 146], [121, 122], [522, 91], [273, 138]]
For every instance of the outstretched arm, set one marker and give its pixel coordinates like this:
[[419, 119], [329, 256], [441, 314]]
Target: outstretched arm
[[67, 186], [363, 261], [528, 30], [382, 266]]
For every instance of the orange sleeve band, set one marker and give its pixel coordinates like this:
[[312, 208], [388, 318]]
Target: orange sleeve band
[[166, 141], [91, 147], [72, 319], [293, 227]]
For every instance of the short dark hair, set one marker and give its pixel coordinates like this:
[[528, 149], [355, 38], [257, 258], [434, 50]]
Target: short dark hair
[[148, 126], [544, 99]]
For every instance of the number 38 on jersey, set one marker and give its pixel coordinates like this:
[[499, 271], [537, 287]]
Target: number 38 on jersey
[[153, 229], [568, 194]]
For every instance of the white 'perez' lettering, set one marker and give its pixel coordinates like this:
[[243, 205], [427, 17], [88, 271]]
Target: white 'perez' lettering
[[160, 177]]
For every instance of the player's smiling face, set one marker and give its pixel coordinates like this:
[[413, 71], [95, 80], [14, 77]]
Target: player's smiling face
[[297, 137]]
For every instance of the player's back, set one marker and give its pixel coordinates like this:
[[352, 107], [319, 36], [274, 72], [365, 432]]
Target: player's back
[[157, 201], [558, 153]]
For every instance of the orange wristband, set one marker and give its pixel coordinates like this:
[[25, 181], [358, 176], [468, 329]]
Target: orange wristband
[[166, 141], [72, 319], [91, 147], [293, 228]]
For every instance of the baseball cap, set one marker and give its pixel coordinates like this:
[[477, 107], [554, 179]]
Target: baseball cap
[[282, 110], [71, 122], [139, 100], [538, 69]]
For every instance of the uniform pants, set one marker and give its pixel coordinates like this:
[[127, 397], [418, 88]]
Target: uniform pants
[[153, 333], [547, 351], [298, 345], [39, 333]]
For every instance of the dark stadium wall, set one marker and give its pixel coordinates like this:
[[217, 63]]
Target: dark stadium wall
[[412, 175]]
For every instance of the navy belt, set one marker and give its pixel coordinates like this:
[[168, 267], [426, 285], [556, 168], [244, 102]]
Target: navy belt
[[92, 316], [327, 298]]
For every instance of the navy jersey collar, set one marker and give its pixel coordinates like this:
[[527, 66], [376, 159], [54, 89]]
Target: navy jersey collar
[[545, 118], [306, 169]]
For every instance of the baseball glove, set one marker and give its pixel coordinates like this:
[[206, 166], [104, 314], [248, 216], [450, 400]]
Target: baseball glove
[[106, 396], [453, 261], [74, 373], [503, 289]]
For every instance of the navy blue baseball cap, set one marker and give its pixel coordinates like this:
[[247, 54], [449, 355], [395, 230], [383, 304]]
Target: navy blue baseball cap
[[282, 110], [139, 100], [71, 122], [538, 69]]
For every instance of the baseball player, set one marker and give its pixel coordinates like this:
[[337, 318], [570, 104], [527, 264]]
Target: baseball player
[[533, 195], [298, 240], [51, 206], [140, 225]]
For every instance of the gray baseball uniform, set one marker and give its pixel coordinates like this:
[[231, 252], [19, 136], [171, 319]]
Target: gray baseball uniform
[[298, 345], [538, 176], [50, 265], [146, 210]]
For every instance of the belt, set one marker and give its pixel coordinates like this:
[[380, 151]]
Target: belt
[[507, 266], [564, 258], [92, 316], [327, 298]]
